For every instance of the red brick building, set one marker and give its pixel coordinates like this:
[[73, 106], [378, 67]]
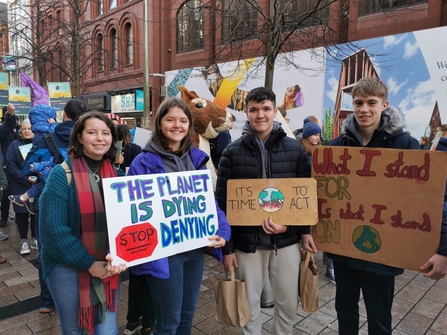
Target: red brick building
[[182, 34]]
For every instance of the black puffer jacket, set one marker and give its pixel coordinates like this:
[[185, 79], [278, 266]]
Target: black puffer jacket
[[388, 135], [242, 159]]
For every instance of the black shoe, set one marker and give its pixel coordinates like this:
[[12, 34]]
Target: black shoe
[[147, 331], [132, 328], [30, 207], [16, 199], [2, 223]]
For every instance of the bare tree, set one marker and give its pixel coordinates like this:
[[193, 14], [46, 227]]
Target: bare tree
[[272, 29]]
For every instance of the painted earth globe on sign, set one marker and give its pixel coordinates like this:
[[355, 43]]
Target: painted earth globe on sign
[[366, 239], [271, 199]]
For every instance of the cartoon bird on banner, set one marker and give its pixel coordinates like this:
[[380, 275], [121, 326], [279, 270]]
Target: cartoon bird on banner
[[208, 120]]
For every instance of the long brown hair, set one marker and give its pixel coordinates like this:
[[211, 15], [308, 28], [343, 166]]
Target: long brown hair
[[157, 136], [307, 145]]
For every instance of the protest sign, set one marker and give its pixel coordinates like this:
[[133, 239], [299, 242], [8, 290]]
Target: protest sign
[[379, 205], [158, 215], [290, 201]]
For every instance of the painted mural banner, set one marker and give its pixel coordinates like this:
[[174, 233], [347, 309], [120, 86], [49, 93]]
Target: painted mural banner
[[379, 205], [289, 201], [158, 215]]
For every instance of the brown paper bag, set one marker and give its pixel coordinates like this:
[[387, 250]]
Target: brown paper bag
[[309, 283], [231, 300]]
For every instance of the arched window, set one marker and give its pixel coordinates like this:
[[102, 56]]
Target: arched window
[[190, 27], [240, 20], [295, 13], [114, 44], [100, 52], [112, 4], [129, 43]]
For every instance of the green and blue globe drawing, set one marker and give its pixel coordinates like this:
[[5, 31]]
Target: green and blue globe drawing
[[366, 239], [271, 199]]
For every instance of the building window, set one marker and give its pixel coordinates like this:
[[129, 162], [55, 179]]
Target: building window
[[295, 11], [61, 61], [59, 22], [374, 6], [50, 25], [190, 27], [112, 4], [114, 43], [42, 30], [239, 21], [100, 52], [129, 43], [100, 7]]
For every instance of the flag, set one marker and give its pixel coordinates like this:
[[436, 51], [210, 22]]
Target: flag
[[38, 94]]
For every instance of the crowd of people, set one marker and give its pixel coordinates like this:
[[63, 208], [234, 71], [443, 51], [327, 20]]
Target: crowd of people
[[52, 174]]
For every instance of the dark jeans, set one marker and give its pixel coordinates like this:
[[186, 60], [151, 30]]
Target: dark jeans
[[22, 225], [45, 295], [140, 301], [378, 294], [5, 205], [175, 298]]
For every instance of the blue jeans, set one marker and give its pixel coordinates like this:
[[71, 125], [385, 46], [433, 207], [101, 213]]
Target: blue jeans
[[175, 298], [63, 284]]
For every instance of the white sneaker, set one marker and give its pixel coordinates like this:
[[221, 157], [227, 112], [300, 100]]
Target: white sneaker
[[25, 248], [34, 244]]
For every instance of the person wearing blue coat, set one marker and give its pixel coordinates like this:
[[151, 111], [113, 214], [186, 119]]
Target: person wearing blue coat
[[19, 183], [174, 281]]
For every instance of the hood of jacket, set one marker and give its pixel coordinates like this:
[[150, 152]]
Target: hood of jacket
[[63, 131], [391, 121]]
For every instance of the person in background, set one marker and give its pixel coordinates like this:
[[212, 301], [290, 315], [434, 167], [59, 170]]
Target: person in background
[[270, 249], [436, 267], [19, 183], [131, 150], [311, 137], [220, 142], [43, 120], [3, 186], [8, 134], [174, 281], [115, 121], [40, 152], [373, 124], [74, 244]]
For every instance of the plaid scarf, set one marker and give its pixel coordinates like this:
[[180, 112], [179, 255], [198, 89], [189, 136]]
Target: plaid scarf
[[95, 295]]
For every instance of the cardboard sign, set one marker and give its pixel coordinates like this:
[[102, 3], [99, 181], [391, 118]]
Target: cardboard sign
[[290, 201], [379, 205], [158, 215]]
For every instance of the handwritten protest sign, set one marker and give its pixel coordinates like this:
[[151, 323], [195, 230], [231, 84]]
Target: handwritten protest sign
[[154, 216], [290, 201], [379, 205]]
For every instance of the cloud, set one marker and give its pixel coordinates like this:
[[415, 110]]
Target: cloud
[[332, 83], [393, 86], [392, 40], [418, 107], [410, 49]]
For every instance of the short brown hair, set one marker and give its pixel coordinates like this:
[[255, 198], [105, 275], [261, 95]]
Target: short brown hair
[[368, 87], [77, 149]]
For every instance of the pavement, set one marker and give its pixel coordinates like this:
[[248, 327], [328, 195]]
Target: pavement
[[420, 304]]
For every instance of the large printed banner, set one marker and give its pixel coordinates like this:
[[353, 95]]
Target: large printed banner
[[379, 205], [289, 201], [4, 88], [154, 216], [59, 93], [20, 97]]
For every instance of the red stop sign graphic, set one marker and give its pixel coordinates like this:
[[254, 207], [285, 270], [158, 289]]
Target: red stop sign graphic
[[136, 241]]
